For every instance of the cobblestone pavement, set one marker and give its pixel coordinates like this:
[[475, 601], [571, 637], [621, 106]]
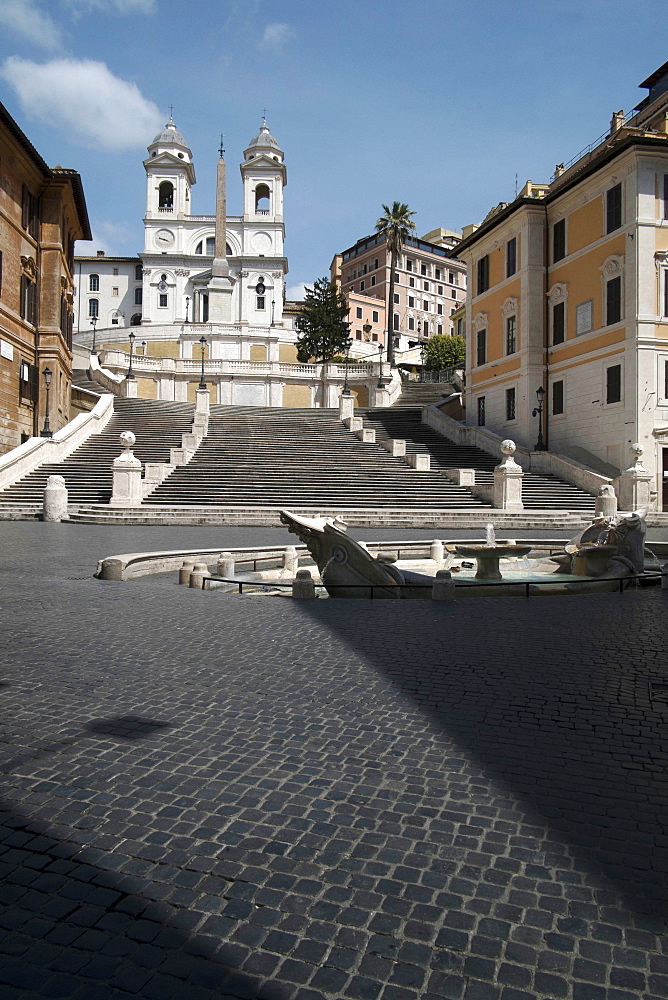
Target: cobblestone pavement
[[210, 797]]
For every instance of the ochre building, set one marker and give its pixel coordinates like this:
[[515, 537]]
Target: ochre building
[[569, 294], [42, 213]]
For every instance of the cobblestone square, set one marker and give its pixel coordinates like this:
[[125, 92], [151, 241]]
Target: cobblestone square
[[209, 796]]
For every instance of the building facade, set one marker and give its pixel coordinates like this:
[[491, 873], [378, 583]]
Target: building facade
[[42, 213], [569, 294], [430, 284], [219, 277]]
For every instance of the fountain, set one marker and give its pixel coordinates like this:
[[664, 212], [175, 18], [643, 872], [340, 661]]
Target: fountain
[[610, 548], [489, 554]]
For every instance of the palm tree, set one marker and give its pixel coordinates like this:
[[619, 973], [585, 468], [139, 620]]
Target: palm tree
[[397, 225]]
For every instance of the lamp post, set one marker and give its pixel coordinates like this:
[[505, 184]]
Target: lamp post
[[203, 344], [538, 411], [273, 306], [143, 348], [132, 344], [346, 390], [187, 306], [422, 360], [46, 431], [93, 323]]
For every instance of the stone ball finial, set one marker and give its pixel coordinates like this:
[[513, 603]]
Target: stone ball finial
[[127, 439], [508, 447], [637, 449]]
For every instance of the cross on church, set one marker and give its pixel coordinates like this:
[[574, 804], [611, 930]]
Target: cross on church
[[221, 148], [171, 110], [264, 115]]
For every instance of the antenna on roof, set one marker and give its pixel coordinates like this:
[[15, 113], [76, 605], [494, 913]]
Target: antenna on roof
[[516, 185]]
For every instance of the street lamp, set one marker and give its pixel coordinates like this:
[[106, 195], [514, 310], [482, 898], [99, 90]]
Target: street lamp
[[203, 344], [346, 390], [143, 348], [132, 344], [538, 411], [273, 306], [187, 306], [93, 323], [46, 431], [422, 360]]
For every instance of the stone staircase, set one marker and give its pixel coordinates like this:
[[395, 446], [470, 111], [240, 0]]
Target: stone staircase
[[80, 380], [539, 492], [299, 458], [158, 426], [422, 393]]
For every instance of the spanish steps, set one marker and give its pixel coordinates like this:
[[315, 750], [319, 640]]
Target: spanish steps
[[255, 457]]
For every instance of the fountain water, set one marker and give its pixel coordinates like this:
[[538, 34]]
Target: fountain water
[[490, 535]]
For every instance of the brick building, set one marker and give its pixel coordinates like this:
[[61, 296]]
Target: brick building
[[42, 213]]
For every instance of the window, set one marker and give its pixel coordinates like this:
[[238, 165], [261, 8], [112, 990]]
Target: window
[[454, 294], [409, 264], [396, 321], [425, 305], [613, 300], [511, 257], [358, 334], [425, 286], [558, 397], [483, 274], [115, 270], [114, 291], [425, 328], [94, 283], [559, 241], [396, 299], [437, 273], [423, 269], [166, 195], [439, 308], [262, 199], [411, 300], [114, 320], [481, 345], [440, 289], [358, 313], [30, 213], [138, 296], [510, 404], [613, 208], [397, 279], [373, 280], [210, 246], [28, 303], [411, 282], [613, 384], [162, 300], [559, 323], [511, 334], [138, 272], [374, 316], [260, 302], [452, 277], [439, 328], [411, 323], [481, 411], [361, 286]]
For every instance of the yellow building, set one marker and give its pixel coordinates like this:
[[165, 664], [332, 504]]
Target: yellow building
[[569, 293]]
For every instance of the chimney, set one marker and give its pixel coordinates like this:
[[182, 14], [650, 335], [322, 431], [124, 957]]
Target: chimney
[[100, 253], [616, 121]]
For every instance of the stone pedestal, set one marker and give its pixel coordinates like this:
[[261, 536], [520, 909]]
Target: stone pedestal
[[443, 587], [420, 462], [395, 446], [129, 388], [225, 565], [291, 560], [366, 434], [381, 397], [508, 480], [606, 502], [634, 486], [436, 551], [346, 406], [463, 477], [127, 490], [54, 507], [200, 425], [303, 587]]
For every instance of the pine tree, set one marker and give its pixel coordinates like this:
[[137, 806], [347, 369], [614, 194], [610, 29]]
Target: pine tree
[[322, 324]]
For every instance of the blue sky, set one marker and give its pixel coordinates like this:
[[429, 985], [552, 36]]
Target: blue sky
[[438, 103]]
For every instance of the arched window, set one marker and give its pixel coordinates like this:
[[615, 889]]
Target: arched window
[[210, 246], [136, 320], [262, 199], [94, 283], [138, 272], [198, 248], [93, 307], [116, 318], [166, 195]]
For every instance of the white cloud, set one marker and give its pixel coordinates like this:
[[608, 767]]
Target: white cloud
[[112, 237], [276, 35], [297, 292], [83, 99], [79, 7], [23, 18]]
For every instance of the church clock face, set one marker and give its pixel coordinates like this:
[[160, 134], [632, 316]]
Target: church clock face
[[164, 239]]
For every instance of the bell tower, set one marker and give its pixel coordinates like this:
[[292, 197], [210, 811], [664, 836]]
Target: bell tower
[[169, 176], [264, 176]]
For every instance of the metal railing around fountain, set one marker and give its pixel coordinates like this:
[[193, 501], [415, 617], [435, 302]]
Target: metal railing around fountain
[[650, 578]]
